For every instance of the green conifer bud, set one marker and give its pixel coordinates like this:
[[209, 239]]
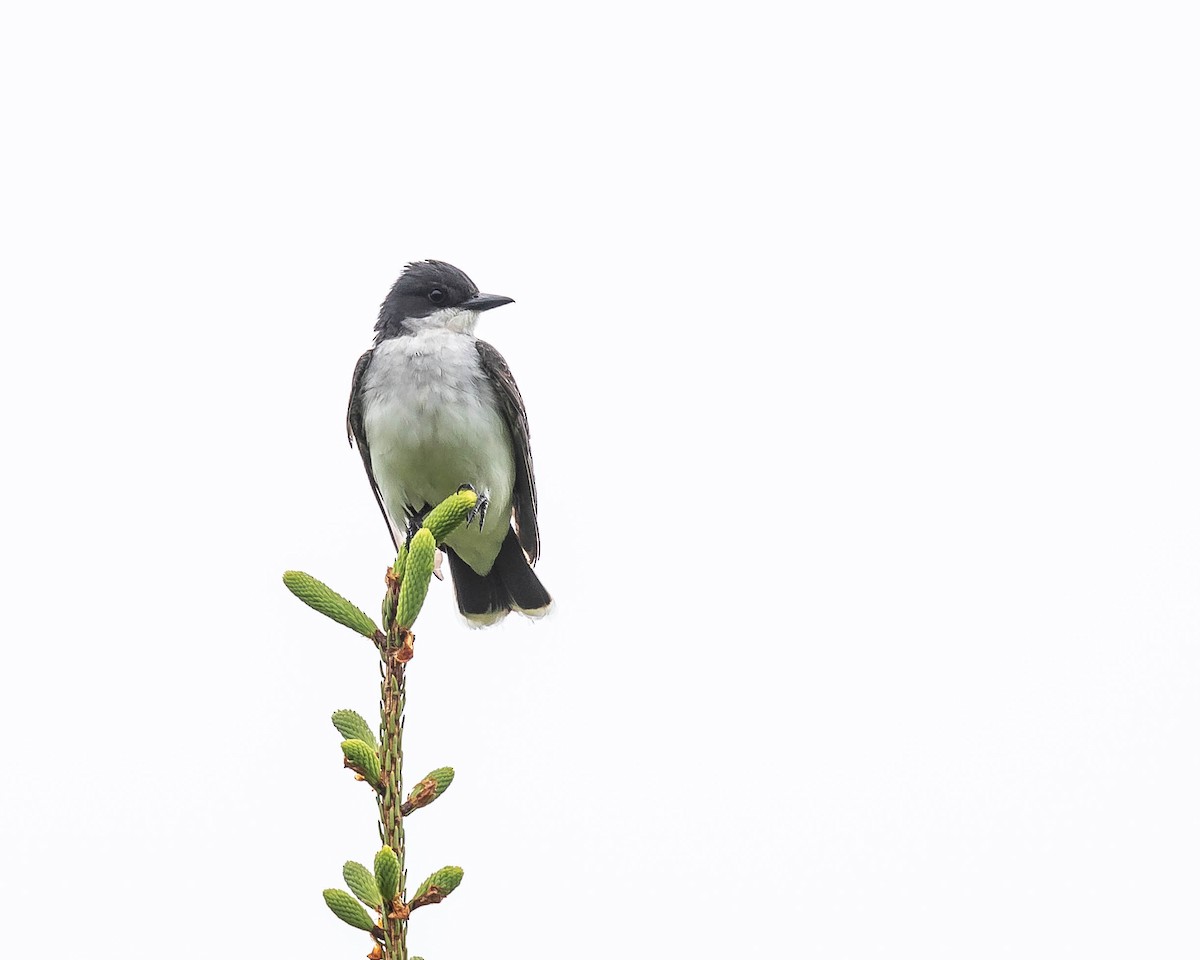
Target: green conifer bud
[[438, 886], [395, 577], [322, 599], [362, 883], [450, 514], [387, 873], [418, 572], [352, 726], [432, 786], [347, 909], [362, 758]]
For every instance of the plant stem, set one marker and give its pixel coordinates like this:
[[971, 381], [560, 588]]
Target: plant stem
[[391, 821]]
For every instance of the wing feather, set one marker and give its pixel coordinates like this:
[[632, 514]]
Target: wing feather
[[357, 436], [513, 408]]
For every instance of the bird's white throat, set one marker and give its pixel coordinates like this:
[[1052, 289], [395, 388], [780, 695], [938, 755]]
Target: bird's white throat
[[455, 319]]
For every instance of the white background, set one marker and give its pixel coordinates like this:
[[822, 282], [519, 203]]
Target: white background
[[859, 344]]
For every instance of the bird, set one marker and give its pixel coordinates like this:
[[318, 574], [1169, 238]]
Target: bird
[[434, 409]]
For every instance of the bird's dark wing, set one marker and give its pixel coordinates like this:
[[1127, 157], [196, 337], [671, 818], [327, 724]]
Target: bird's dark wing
[[513, 408], [358, 436]]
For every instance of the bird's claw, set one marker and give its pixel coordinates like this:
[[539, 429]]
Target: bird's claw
[[481, 505], [480, 508]]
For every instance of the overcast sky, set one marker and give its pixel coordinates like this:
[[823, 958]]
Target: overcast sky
[[859, 343]]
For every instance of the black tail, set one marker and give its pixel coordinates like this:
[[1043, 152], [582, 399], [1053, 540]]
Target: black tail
[[510, 585]]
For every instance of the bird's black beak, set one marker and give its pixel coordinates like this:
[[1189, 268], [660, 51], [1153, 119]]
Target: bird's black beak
[[485, 301]]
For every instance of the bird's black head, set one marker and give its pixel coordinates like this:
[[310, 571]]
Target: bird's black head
[[425, 288]]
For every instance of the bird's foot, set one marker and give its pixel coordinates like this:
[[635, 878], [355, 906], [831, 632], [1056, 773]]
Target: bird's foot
[[480, 509], [481, 505]]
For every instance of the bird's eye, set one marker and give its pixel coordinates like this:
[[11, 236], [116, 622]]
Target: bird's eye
[[437, 296]]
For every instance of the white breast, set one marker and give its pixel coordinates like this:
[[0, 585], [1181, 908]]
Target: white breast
[[432, 424]]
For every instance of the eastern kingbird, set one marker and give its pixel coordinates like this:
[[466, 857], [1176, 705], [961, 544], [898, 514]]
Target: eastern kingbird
[[433, 408]]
